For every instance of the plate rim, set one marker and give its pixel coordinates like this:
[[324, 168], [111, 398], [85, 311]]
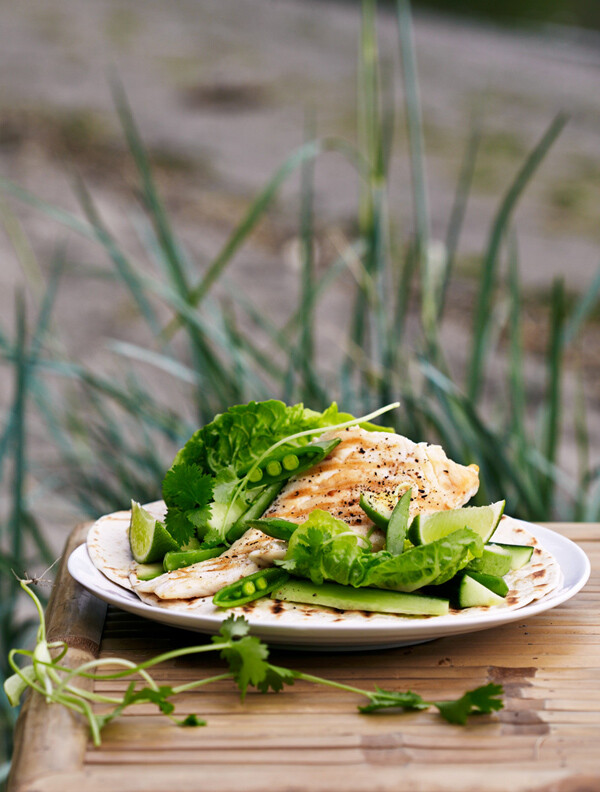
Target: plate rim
[[363, 634]]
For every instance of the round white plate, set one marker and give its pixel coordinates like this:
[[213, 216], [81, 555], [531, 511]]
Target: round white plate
[[349, 635]]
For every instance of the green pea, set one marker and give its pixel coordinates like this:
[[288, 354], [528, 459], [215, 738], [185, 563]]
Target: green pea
[[248, 588], [290, 462], [261, 584], [255, 475], [274, 468]]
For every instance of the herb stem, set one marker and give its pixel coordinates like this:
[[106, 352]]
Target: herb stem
[[330, 683], [199, 682]]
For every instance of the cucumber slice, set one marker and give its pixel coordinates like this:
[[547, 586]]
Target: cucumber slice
[[496, 584], [378, 508], [149, 571], [472, 594], [494, 561], [519, 554], [332, 595], [148, 538], [483, 520]]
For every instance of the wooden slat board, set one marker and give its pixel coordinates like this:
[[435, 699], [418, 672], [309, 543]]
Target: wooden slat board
[[311, 738]]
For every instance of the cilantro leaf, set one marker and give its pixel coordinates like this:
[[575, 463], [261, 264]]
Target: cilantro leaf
[[247, 659], [387, 699], [233, 627], [191, 720], [275, 679], [186, 487], [482, 700], [132, 696], [178, 525]]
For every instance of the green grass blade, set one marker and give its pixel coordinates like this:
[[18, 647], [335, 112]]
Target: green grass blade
[[414, 123], [257, 210], [19, 431], [150, 195], [582, 310], [582, 442], [481, 321], [241, 232], [162, 362], [62, 216], [553, 404], [125, 270], [305, 357], [459, 207]]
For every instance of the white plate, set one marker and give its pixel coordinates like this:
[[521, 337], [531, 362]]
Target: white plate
[[391, 632]]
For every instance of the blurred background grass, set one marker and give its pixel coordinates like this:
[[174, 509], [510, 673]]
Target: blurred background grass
[[149, 280]]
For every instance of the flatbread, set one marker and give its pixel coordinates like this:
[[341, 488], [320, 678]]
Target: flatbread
[[108, 547], [108, 543]]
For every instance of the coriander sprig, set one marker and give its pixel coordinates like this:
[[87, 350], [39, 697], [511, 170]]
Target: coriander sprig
[[247, 659]]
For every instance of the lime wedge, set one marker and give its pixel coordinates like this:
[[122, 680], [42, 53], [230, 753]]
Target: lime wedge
[[483, 520], [148, 538]]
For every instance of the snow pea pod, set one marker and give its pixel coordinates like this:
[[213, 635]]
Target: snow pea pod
[[250, 588], [398, 525], [177, 559], [254, 511], [284, 464], [275, 527]]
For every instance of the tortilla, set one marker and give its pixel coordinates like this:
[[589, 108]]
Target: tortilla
[[108, 547]]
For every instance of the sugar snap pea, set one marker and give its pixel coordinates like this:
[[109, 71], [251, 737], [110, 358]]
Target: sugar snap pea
[[398, 525], [176, 559], [250, 588], [254, 511], [275, 527], [286, 463]]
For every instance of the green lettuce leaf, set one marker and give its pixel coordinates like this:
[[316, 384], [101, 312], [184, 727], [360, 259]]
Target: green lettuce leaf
[[426, 565], [324, 548]]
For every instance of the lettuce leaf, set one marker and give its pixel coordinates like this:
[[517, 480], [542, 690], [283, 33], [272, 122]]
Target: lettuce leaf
[[222, 452], [324, 548]]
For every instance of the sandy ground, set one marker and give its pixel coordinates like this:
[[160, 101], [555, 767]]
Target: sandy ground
[[220, 90]]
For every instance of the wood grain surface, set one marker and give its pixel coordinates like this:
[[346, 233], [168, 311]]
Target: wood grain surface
[[308, 738]]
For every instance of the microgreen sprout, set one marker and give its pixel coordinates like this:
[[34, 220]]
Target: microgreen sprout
[[247, 659]]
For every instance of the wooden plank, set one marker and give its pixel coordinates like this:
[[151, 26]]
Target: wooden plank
[[51, 739], [383, 777]]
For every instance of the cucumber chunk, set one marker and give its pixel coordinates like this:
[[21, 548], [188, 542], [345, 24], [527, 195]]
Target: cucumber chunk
[[332, 595], [519, 554], [149, 571], [483, 520], [494, 561], [472, 594], [496, 584]]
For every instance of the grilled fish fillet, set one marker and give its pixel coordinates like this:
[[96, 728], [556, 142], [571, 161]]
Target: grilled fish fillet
[[247, 555], [378, 462]]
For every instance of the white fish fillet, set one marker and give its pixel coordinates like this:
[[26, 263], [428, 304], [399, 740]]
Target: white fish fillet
[[378, 462], [247, 555]]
